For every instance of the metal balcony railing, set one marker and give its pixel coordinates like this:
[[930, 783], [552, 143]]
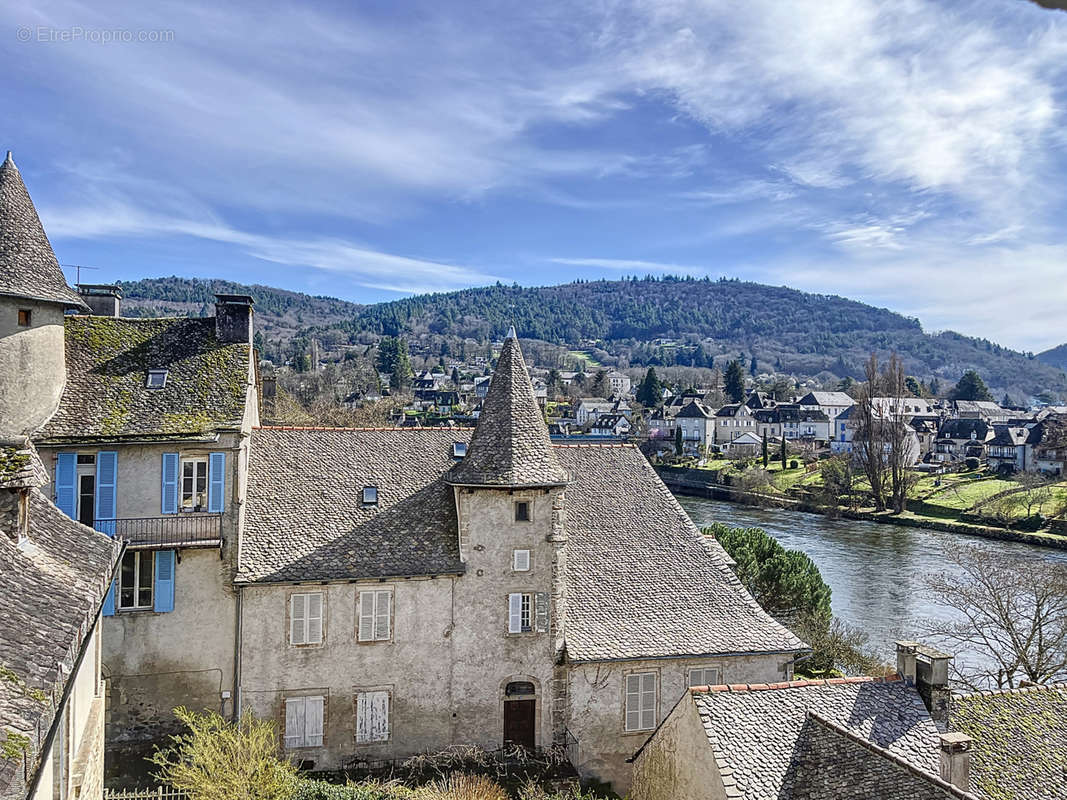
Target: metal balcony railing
[[171, 531]]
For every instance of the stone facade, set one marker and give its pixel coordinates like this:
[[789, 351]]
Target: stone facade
[[28, 352]]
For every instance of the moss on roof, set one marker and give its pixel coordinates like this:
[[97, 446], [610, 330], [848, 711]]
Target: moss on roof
[[108, 360], [1020, 741]]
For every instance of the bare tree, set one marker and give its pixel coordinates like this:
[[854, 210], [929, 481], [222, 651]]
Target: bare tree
[[1011, 612], [900, 446], [869, 436]]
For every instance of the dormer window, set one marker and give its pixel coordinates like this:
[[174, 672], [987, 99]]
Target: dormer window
[[157, 379], [370, 495], [522, 511], [459, 449]]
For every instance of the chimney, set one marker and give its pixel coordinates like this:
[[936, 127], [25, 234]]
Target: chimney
[[103, 299], [927, 670], [233, 318], [956, 760]]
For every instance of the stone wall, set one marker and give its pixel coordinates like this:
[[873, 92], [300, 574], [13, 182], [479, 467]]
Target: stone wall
[[32, 364], [678, 762], [597, 697]]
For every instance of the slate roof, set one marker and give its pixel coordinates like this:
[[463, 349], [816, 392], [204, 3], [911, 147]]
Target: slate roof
[[961, 429], [510, 445], [1020, 741], [51, 589], [642, 580], [696, 409], [1008, 436], [305, 518], [108, 359], [760, 732], [20, 466], [826, 399], [28, 266]]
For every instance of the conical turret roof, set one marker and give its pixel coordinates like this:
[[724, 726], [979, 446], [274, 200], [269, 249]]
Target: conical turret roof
[[28, 267], [510, 446]]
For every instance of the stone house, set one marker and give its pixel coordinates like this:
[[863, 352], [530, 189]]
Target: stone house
[[830, 403], [420, 594], [611, 425], [732, 420], [54, 573], [589, 409], [148, 445], [697, 422], [619, 382]]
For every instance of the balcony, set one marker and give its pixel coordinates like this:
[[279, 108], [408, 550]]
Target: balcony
[[165, 533]]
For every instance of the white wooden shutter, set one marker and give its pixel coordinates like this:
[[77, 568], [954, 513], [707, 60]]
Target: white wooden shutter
[[515, 613], [298, 619], [633, 702], [313, 716], [382, 603], [521, 561], [294, 722], [648, 701], [366, 616], [314, 618], [372, 717]]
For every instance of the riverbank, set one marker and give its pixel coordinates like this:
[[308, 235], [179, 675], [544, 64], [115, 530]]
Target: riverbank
[[682, 481]]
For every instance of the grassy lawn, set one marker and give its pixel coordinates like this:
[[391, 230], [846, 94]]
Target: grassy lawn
[[965, 494], [588, 360]]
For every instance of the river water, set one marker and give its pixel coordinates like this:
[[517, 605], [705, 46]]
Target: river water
[[875, 571]]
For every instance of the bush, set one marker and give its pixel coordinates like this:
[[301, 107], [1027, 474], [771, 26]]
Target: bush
[[364, 790], [793, 464], [971, 463]]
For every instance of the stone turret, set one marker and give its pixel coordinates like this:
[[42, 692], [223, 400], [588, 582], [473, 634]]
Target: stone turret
[[33, 298]]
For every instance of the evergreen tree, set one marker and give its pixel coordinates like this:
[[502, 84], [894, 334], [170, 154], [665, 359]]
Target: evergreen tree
[[913, 386], [935, 387], [735, 381], [455, 376], [971, 387], [553, 382], [783, 450], [766, 453], [601, 387], [678, 441], [650, 391], [752, 366], [1006, 402]]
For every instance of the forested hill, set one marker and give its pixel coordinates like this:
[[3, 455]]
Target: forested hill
[[787, 330], [280, 314], [1056, 356], [705, 322]]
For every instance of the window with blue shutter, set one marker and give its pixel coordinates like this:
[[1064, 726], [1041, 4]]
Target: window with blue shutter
[[164, 600], [169, 492], [107, 467], [109, 601], [216, 482], [66, 471]]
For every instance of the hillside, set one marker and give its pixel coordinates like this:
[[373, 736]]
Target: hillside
[[646, 321], [280, 314], [1055, 357]]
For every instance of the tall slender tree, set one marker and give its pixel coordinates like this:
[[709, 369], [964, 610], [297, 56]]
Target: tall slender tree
[[735, 381]]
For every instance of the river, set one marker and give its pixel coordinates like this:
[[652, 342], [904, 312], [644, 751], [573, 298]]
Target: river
[[875, 571]]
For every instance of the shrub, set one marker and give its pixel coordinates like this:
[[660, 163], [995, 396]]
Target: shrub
[[465, 786], [971, 463], [793, 464]]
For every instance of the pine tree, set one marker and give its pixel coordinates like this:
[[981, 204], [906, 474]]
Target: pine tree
[[783, 450], [971, 387], [650, 392], [678, 441], [735, 382], [766, 453], [752, 366]]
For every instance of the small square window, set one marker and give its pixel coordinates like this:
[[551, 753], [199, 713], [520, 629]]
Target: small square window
[[370, 495], [522, 511], [521, 560], [157, 379], [459, 449], [24, 317]]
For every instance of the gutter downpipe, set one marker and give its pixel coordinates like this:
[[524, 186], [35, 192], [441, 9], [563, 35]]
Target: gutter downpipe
[[238, 637]]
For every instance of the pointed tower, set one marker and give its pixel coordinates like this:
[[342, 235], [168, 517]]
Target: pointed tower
[[510, 505], [510, 447], [33, 297]]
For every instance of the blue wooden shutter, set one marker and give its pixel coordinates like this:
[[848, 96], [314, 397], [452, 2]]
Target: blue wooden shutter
[[107, 466], [164, 591], [66, 476], [216, 488], [169, 492], [109, 601]]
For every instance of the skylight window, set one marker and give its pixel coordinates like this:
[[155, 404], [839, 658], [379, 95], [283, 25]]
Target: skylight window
[[157, 378], [459, 449], [370, 495]]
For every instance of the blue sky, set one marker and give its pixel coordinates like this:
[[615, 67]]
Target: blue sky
[[910, 154]]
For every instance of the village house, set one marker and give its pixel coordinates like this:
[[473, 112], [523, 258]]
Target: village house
[[589, 408], [697, 422], [732, 420], [619, 382], [829, 403], [958, 439], [406, 590], [610, 425], [905, 738], [54, 572]]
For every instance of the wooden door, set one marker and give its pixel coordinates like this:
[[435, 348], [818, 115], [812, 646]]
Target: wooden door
[[519, 721]]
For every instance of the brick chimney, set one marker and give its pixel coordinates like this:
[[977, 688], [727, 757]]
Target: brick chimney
[[956, 760], [103, 299], [233, 318], [927, 670]]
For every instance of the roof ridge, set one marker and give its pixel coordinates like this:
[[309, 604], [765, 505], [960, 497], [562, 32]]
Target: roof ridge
[[346, 428], [1038, 687], [877, 749], [795, 684], [604, 445]]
